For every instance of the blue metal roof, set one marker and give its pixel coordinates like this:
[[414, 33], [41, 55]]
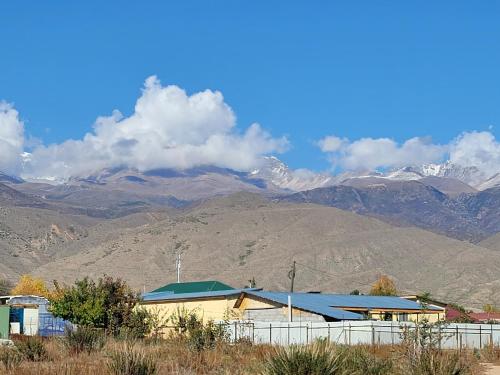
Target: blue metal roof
[[309, 302], [170, 296], [346, 301]]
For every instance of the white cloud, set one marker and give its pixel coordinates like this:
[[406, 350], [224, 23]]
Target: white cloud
[[332, 143], [370, 153], [168, 129], [11, 139], [479, 149]]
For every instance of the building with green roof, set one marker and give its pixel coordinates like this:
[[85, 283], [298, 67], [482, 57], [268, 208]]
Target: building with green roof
[[193, 287]]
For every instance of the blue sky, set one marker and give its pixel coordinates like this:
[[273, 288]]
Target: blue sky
[[301, 69]]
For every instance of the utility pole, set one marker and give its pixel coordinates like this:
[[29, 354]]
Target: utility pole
[[291, 276], [178, 267]]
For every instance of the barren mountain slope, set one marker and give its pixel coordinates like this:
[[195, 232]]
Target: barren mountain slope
[[409, 203], [239, 237], [30, 237], [492, 243]]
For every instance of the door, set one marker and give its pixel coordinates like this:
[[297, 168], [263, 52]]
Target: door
[[30, 321]]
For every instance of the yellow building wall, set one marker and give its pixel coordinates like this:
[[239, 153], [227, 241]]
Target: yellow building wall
[[206, 309], [431, 317]]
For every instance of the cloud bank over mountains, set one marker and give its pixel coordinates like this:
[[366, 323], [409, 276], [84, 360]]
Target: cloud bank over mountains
[[469, 149], [370, 153], [168, 129], [171, 129]]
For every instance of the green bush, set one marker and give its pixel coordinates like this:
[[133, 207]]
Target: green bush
[[317, 359], [10, 357], [199, 336], [84, 339], [32, 349], [207, 336], [137, 326], [108, 303], [131, 361]]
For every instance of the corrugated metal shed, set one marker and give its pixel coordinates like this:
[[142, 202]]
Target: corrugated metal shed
[[194, 287], [346, 301], [170, 296]]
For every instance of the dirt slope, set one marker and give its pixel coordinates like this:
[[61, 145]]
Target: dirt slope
[[239, 237]]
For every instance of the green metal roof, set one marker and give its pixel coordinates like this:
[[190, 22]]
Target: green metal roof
[[193, 287]]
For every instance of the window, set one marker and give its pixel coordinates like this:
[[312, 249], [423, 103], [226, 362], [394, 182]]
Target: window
[[403, 317], [387, 317]]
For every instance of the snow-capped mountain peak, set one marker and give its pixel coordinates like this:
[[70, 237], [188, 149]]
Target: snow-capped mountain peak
[[276, 172]]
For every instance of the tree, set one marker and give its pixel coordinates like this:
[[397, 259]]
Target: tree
[[355, 292], [490, 308], [384, 286], [5, 287], [29, 285], [251, 283], [109, 304]]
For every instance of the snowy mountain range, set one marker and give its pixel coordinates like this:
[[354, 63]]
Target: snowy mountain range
[[277, 173], [274, 175]]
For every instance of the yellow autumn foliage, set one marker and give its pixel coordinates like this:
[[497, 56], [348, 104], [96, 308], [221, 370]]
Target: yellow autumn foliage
[[384, 286], [29, 285]]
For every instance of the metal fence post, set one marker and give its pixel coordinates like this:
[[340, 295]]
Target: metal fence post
[[328, 331], [235, 331], [491, 335], [439, 336], [270, 333], [480, 337], [373, 335]]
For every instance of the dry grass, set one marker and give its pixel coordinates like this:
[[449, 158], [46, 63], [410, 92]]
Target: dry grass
[[490, 354], [173, 356]]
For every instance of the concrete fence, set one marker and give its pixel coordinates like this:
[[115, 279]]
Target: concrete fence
[[448, 336]]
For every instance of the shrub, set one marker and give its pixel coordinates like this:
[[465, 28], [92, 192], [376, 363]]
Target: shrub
[[207, 336], [10, 357], [84, 339], [199, 336], [131, 361], [437, 363], [358, 361], [107, 304], [33, 349], [420, 353], [137, 326], [316, 359]]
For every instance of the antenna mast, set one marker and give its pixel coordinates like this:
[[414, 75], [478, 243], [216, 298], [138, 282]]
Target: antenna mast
[[178, 267]]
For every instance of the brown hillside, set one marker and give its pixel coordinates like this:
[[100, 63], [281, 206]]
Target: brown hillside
[[239, 237]]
